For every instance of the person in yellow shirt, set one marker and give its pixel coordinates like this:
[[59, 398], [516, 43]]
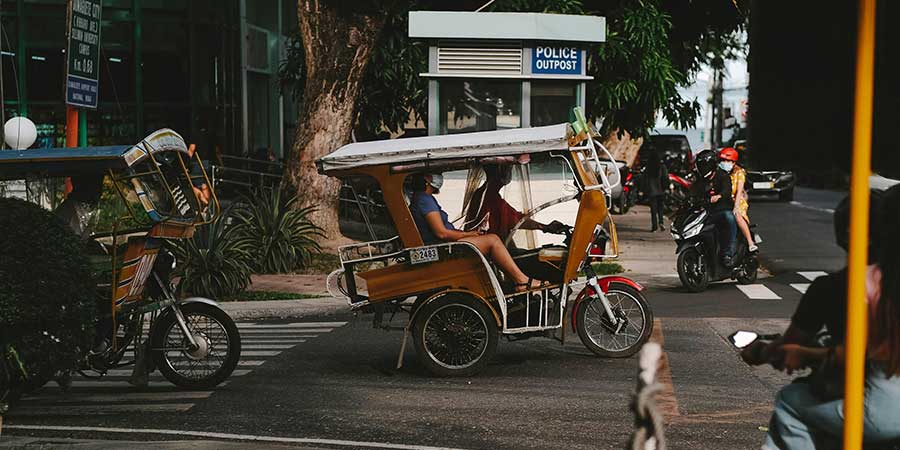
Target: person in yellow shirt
[[729, 158]]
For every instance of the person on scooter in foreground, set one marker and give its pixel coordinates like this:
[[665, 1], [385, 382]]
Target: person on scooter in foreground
[[808, 417], [717, 185]]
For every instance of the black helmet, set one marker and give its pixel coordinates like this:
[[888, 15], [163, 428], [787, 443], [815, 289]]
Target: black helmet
[[842, 220], [706, 162]]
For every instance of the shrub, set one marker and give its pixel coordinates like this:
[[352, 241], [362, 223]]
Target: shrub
[[283, 237], [48, 297], [216, 262]]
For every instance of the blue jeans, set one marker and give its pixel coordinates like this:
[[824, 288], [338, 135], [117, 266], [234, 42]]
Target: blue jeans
[[803, 422], [727, 227]]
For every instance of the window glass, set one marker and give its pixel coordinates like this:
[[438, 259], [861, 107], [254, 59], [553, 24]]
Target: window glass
[[479, 105], [552, 102]]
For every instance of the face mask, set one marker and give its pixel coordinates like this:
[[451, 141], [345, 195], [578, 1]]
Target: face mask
[[437, 180], [726, 165]]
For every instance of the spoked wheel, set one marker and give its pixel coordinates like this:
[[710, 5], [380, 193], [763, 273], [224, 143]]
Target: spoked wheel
[[692, 270], [455, 335], [603, 337], [211, 362]]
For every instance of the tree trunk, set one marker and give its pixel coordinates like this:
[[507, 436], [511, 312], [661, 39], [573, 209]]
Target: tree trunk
[[338, 41]]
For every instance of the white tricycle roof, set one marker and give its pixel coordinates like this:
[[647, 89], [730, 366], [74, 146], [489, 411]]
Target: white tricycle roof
[[452, 146]]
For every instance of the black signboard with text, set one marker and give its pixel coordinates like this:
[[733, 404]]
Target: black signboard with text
[[83, 68]]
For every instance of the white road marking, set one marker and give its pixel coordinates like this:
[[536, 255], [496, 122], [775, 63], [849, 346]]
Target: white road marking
[[284, 330], [231, 436], [294, 325], [91, 397], [814, 208], [77, 410], [127, 372], [113, 393], [130, 354], [811, 276], [758, 292], [802, 287]]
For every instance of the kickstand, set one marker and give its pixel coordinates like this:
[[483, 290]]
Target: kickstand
[[402, 348], [142, 366]]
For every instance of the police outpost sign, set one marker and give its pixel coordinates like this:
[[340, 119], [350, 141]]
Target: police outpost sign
[[83, 68], [556, 60]]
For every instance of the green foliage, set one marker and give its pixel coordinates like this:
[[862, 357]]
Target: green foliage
[[634, 75], [47, 295], [216, 262], [392, 83], [652, 48], [282, 236]]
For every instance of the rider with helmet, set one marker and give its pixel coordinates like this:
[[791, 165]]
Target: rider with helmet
[[729, 157], [716, 183]]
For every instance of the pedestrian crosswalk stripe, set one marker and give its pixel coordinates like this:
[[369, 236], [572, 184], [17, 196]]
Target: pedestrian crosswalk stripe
[[758, 292], [101, 409], [811, 276], [802, 287], [282, 330], [293, 325], [127, 373], [120, 398], [113, 394], [130, 354]]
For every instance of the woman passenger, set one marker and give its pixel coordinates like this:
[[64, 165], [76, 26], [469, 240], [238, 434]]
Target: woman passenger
[[435, 227], [729, 158]]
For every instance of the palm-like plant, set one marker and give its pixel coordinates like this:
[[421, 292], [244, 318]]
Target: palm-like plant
[[216, 262], [284, 239]]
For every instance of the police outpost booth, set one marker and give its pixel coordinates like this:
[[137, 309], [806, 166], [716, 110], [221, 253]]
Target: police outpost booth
[[490, 71]]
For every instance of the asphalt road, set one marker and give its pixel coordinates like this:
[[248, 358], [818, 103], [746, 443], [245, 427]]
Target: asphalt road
[[338, 387]]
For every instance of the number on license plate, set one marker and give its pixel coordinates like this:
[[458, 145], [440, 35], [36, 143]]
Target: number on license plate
[[423, 255], [763, 185]]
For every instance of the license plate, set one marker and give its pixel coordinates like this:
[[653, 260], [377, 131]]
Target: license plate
[[423, 255], [763, 185]]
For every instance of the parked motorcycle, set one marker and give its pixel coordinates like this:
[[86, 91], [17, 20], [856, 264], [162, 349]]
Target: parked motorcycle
[[699, 252], [677, 192]]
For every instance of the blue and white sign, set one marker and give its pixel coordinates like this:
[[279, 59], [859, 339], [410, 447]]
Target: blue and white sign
[[556, 61]]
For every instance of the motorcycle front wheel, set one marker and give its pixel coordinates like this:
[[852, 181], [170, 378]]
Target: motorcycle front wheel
[[599, 334], [692, 270], [211, 362]]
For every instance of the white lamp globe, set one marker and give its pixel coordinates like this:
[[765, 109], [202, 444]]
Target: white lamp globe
[[20, 133]]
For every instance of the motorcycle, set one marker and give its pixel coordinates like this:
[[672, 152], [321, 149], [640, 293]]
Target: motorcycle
[[677, 192], [698, 250], [629, 191]]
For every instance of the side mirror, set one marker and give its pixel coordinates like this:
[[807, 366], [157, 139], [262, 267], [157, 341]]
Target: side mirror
[[742, 339]]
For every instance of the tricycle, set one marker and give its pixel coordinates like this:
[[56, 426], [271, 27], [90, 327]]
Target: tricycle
[[457, 300], [156, 192]]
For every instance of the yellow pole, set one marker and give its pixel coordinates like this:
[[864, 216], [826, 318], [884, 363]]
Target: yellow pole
[[859, 228]]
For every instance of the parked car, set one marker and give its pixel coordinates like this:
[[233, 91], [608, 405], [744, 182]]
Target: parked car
[[771, 182]]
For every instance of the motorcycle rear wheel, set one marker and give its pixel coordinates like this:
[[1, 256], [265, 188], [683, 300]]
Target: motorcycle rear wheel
[[213, 329], [692, 270]]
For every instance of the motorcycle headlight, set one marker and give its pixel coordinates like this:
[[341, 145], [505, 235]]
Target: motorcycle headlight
[[693, 228]]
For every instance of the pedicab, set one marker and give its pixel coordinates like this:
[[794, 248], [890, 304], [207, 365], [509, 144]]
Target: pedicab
[[163, 194], [457, 302]]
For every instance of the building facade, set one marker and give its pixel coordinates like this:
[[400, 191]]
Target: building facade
[[205, 68], [489, 71]]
